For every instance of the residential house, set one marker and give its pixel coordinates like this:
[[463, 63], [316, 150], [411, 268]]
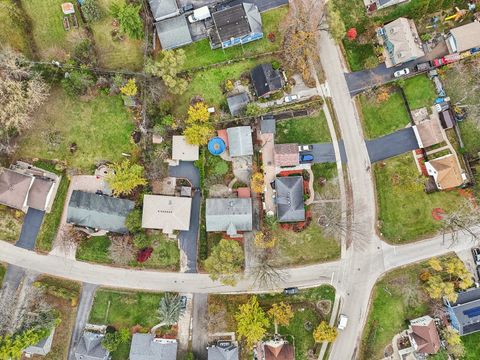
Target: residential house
[[168, 213], [182, 150], [286, 155], [400, 41], [428, 132], [229, 215], [239, 24], [463, 38], [90, 347], [240, 141], [41, 348], [424, 336], [173, 32], [374, 5], [147, 347], [446, 172], [24, 186], [266, 80], [223, 350], [465, 312], [289, 199], [275, 349], [237, 103], [163, 9], [268, 125], [98, 212]]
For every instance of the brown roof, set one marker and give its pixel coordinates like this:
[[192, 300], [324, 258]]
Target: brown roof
[[13, 188], [449, 172], [430, 132], [426, 336], [281, 351], [38, 194], [466, 36], [286, 154]]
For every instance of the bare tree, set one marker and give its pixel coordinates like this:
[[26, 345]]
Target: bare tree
[[461, 221], [266, 275], [121, 250]]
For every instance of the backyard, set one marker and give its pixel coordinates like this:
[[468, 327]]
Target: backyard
[[404, 208], [200, 54], [419, 91], [13, 31], [222, 308], [124, 310], [307, 130], [99, 127]]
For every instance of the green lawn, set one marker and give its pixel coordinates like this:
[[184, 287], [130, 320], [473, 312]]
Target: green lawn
[[304, 305], [390, 309], [126, 54], [323, 170], [166, 254], [51, 221], [404, 209], [51, 39], [306, 130], [208, 84], [3, 270], [200, 54], [124, 310], [420, 92], [471, 343], [382, 118], [306, 247], [11, 221], [357, 54], [13, 31], [100, 127]]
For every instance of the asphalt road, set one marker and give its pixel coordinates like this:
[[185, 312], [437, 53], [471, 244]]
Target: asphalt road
[[391, 145], [189, 239], [83, 312], [30, 228]]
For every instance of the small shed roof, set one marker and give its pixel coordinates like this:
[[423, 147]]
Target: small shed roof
[[237, 103], [240, 141], [146, 347], [163, 9], [268, 125], [265, 79], [182, 150], [98, 211], [447, 119], [449, 174], [230, 215], [173, 32], [290, 204], [467, 36], [286, 155], [168, 213], [429, 132], [244, 192]]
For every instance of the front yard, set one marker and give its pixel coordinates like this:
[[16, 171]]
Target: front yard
[[306, 130], [200, 54], [11, 221], [124, 310], [100, 127], [404, 209], [222, 308], [420, 92]]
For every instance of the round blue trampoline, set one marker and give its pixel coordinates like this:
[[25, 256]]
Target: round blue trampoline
[[216, 146]]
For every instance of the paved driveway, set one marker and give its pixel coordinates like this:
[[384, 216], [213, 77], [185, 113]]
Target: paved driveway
[[30, 228], [324, 153], [200, 326], [391, 145], [189, 239]]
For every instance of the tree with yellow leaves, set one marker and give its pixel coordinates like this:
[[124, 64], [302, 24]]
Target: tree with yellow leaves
[[325, 332], [281, 314], [454, 342], [125, 178], [198, 134], [434, 263], [130, 88], [198, 113], [264, 240], [252, 322], [257, 183]]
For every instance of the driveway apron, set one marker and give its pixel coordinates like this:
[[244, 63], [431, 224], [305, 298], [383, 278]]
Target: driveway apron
[[391, 145]]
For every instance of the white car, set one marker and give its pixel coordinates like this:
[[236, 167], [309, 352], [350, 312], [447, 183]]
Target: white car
[[401, 73], [290, 98], [304, 148], [342, 322]]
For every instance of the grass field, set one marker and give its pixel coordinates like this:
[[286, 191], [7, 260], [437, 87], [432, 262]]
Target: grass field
[[222, 308], [51, 39], [404, 209], [390, 309], [13, 33], [208, 84], [382, 118], [126, 54], [3, 270], [471, 343], [323, 170], [124, 310], [357, 54], [94, 249], [100, 127], [200, 54], [307, 130], [420, 92], [11, 221]]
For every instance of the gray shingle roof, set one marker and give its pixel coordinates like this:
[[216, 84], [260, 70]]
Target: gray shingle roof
[[240, 141], [146, 347], [290, 204], [217, 352], [163, 9], [98, 211], [173, 32], [230, 215], [237, 103], [268, 125], [90, 347], [43, 347]]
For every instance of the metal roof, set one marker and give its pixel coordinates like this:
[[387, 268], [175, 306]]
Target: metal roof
[[237, 103], [173, 32], [268, 125], [163, 9], [240, 141]]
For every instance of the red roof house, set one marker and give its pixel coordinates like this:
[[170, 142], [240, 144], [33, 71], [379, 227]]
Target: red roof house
[[286, 155]]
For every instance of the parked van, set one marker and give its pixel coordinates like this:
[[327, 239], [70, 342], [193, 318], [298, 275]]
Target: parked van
[[199, 14]]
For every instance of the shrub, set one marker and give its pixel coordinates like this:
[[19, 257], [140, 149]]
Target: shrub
[[276, 64], [113, 340], [133, 222], [142, 241], [130, 88], [129, 18], [78, 82], [144, 254], [91, 11], [84, 53]]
